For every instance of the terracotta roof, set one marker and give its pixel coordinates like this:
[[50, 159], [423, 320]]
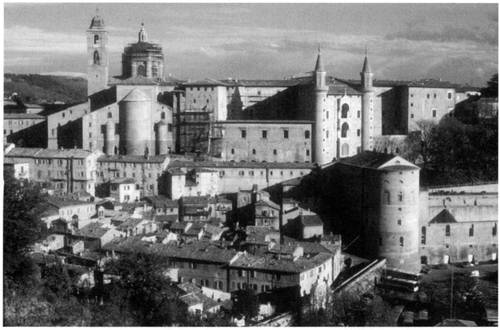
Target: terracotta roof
[[22, 116], [202, 251], [176, 171], [179, 225], [197, 200], [249, 165], [94, 230], [129, 223], [189, 287], [267, 203], [272, 263], [132, 159], [166, 218], [63, 202], [66, 153], [161, 200], [443, 217], [310, 220], [368, 159], [456, 323], [23, 152], [122, 181]]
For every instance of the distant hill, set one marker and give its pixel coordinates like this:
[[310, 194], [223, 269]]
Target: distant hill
[[34, 88]]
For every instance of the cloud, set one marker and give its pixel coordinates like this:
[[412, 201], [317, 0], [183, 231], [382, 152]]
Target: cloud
[[446, 34]]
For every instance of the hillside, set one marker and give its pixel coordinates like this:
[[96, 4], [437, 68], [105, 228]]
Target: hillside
[[34, 88]]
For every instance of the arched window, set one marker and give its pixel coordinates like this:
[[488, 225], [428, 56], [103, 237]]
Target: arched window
[[345, 128], [447, 230], [141, 70], [110, 115], [154, 71], [401, 241], [345, 149], [163, 115], [424, 232], [96, 39], [307, 134], [345, 110], [386, 198], [97, 59]]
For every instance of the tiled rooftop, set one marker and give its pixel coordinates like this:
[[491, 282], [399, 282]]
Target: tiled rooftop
[[132, 159], [285, 265], [310, 220], [64, 202], [368, 159], [122, 181], [22, 116], [202, 251], [23, 152], [249, 165], [94, 230], [65, 153]]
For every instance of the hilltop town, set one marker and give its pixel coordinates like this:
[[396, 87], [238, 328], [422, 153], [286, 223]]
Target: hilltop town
[[160, 201]]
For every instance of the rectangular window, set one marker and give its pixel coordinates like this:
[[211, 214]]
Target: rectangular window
[[434, 113], [232, 151], [449, 95], [307, 152], [435, 95], [327, 114], [327, 134], [428, 96], [412, 116], [275, 152], [285, 134], [359, 114], [264, 134], [243, 134], [359, 132]]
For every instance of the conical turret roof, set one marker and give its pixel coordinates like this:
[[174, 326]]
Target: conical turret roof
[[366, 65], [319, 62], [135, 96]]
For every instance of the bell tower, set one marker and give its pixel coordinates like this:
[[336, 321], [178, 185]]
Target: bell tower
[[97, 56]]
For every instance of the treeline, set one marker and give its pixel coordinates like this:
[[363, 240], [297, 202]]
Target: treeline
[[39, 89]]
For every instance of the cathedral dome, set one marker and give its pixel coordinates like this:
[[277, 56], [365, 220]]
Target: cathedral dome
[[97, 23]]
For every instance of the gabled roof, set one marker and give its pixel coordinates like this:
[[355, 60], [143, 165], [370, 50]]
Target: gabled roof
[[63, 202], [93, 230], [66, 153], [23, 152], [310, 220], [378, 160], [443, 217], [267, 203], [122, 181], [197, 200], [272, 263]]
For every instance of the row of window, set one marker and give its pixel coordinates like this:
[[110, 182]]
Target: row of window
[[125, 165], [59, 174], [447, 231], [252, 173], [275, 152], [21, 122], [56, 161], [286, 134]]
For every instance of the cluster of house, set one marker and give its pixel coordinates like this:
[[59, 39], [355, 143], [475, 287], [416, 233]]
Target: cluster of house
[[221, 244]]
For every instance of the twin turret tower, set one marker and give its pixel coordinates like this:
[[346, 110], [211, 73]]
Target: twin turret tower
[[367, 108], [320, 92]]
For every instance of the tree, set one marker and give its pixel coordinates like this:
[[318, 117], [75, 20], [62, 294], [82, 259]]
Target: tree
[[246, 303], [492, 89], [426, 128], [22, 226], [143, 290]]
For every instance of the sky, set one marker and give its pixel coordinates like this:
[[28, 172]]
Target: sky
[[448, 41]]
